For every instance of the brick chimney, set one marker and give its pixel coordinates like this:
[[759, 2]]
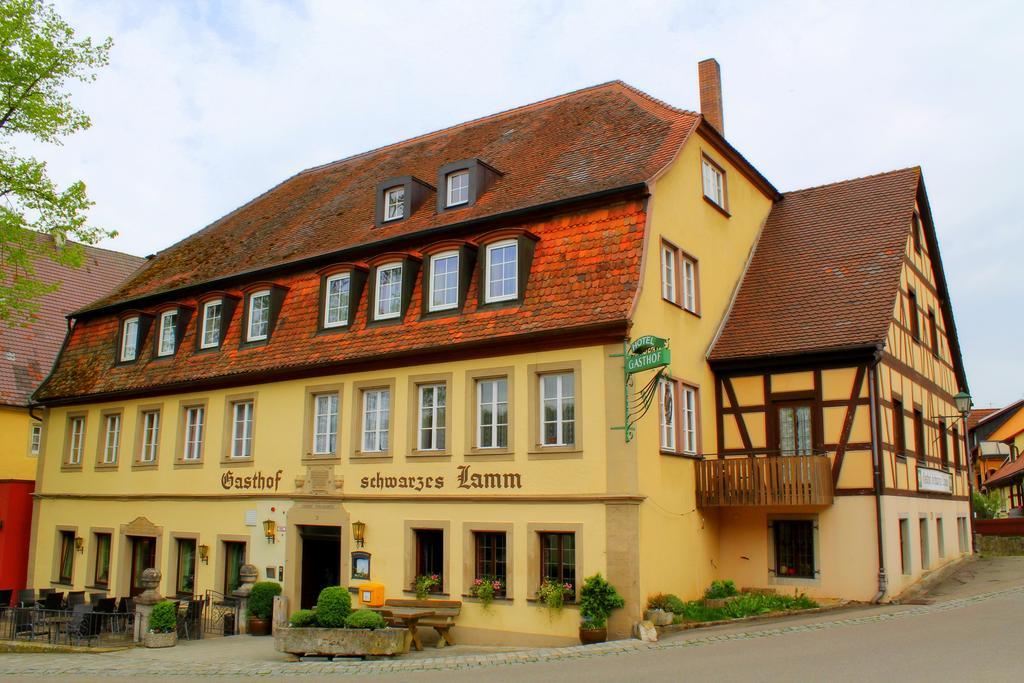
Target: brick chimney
[[709, 76]]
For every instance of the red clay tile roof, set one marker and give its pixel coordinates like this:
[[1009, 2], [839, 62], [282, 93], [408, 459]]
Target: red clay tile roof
[[825, 273], [1006, 473], [27, 353], [592, 140], [979, 414], [585, 270]]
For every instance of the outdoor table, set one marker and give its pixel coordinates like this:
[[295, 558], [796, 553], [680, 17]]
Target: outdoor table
[[53, 625], [409, 616]]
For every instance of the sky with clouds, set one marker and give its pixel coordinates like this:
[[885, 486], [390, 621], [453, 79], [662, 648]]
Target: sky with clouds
[[207, 104]]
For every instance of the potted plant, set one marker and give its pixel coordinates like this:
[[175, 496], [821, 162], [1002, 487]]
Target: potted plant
[[485, 589], [659, 610], [720, 593], [597, 600], [425, 584], [552, 594], [333, 629], [163, 626], [260, 607]]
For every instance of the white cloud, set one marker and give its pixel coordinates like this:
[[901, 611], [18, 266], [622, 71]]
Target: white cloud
[[206, 105]]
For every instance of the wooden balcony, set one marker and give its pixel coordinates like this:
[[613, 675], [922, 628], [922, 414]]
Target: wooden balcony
[[777, 481]]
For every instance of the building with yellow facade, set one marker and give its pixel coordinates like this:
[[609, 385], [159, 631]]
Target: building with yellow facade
[[535, 346]]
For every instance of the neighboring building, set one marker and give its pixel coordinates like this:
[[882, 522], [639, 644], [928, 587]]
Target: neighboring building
[[423, 346], [27, 354], [999, 439]]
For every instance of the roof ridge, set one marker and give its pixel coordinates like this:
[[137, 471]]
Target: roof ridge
[[999, 411], [496, 115], [872, 176]]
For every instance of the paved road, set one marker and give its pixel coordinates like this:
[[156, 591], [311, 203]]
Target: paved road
[[971, 633]]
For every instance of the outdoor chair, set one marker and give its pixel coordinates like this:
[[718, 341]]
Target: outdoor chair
[[28, 623], [75, 598], [191, 623], [125, 612], [53, 602], [5, 597], [26, 597], [84, 625], [105, 610], [94, 598]]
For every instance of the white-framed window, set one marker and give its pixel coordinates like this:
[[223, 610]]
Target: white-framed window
[[241, 429], [76, 428], [688, 415], [668, 273], [714, 182], [502, 270], [689, 282], [130, 339], [376, 419], [492, 412], [168, 331], [458, 188], [557, 409], [35, 439], [667, 414], [259, 315], [444, 281], [111, 439], [150, 435], [325, 424], [394, 203], [194, 418], [388, 295], [211, 324], [432, 401], [336, 302]]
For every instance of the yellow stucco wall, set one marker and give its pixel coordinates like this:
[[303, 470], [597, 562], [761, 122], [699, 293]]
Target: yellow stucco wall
[[16, 459], [678, 541]]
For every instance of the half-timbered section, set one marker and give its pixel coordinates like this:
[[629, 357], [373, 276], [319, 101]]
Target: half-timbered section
[[842, 322]]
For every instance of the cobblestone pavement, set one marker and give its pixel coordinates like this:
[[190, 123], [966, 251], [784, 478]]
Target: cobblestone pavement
[[178, 661]]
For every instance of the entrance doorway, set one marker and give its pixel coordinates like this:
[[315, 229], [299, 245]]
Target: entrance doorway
[[143, 557], [320, 561]]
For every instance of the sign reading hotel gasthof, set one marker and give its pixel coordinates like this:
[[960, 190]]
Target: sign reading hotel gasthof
[[929, 479]]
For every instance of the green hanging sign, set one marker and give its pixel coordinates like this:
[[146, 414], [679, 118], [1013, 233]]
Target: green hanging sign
[[647, 343], [645, 353], [647, 361]]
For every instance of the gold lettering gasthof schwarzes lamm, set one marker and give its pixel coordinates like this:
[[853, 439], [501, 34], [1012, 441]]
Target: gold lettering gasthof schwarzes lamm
[[253, 482]]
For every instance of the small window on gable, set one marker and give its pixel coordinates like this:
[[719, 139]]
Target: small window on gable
[[444, 281], [914, 315], [394, 203], [130, 339], [933, 331], [168, 331], [210, 324], [688, 278], [917, 232], [457, 188], [501, 271], [336, 305], [388, 292], [259, 316], [669, 258], [713, 178]]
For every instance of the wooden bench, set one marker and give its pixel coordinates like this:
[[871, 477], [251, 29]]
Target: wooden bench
[[445, 612]]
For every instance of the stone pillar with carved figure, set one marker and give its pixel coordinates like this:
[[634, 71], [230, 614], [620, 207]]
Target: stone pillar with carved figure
[[247, 574]]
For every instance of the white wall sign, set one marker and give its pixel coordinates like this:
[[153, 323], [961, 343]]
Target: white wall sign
[[934, 480]]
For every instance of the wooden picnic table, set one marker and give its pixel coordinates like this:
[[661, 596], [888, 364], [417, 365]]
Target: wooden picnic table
[[409, 616]]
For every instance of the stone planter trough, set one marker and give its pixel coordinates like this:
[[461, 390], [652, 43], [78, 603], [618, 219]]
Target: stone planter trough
[[659, 617], [150, 639], [343, 642]]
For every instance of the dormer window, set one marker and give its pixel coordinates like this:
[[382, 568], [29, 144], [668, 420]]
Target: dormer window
[[444, 281], [501, 271], [259, 316], [210, 324], [394, 203], [458, 188], [336, 306], [388, 292], [129, 339], [168, 332]]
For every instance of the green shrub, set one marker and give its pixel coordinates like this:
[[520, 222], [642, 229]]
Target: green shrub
[[986, 505], [675, 604], [720, 589], [746, 605], [333, 607], [303, 617], [164, 618], [365, 618], [261, 599], [658, 601], [597, 600]]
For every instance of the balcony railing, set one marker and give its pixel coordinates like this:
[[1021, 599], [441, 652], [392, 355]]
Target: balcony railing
[[781, 481]]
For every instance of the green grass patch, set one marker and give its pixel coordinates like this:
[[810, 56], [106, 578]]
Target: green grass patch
[[744, 605]]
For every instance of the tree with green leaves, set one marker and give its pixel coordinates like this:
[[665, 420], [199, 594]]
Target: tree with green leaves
[[39, 56]]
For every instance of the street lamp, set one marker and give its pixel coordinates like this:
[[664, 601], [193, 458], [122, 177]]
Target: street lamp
[[963, 402]]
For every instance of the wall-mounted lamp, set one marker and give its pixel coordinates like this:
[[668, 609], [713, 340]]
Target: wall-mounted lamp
[[79, 544], [204, 553], [963, 402], [359, 533], [270, 530]]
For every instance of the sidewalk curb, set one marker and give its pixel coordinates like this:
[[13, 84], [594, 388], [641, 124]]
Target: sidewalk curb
[[689, 626]]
